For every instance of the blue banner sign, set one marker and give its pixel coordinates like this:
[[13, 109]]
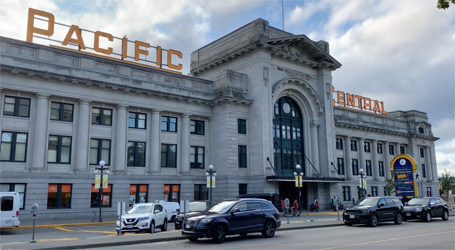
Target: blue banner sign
[[404, 167]]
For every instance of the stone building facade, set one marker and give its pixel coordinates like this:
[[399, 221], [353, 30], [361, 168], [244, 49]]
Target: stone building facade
[[258, 103]]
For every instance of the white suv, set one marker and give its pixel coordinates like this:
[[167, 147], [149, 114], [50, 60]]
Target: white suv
[[143, 217]]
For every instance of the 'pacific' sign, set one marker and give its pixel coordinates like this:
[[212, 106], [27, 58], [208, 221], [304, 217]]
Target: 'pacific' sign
[[42, 25]]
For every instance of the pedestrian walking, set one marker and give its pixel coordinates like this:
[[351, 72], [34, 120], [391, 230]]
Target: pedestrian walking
[[316, 204], [295, 206]]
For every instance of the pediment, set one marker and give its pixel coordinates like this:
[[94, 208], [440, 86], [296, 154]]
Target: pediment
[[301, 49]]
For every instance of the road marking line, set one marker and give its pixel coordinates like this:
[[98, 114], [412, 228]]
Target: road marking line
[[62, 239], [64, 229], [379, 241], [84, 231]]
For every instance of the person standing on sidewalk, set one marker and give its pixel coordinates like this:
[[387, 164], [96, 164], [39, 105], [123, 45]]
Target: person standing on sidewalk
[[295, 206], [316, 204]]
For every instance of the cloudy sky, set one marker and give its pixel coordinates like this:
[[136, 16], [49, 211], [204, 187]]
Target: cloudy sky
[[400, 52]]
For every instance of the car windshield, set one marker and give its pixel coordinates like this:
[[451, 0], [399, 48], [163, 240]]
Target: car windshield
[[140, 209], [368, 201], [197, 206], [418, 201], [222, 207]]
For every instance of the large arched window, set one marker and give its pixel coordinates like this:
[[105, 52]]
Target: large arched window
[[287, 136]]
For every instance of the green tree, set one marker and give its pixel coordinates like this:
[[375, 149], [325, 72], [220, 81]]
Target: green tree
[[390, 185], [446, 181], [444, 4]]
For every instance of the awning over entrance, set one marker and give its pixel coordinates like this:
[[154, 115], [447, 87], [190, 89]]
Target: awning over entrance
[[275, 178]]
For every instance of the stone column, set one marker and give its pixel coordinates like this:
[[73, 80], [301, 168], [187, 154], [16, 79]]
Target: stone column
[[315, 146], [348, 162], [374, 164], [40, 132], [155, 147], [428, 166], [121, 139], [185, 145], [83, 135], [387, 161]]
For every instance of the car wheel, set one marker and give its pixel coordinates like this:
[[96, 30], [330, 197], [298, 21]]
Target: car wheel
[[348, 223], [445, 215], [152, 227], [164, 226], [398, 219], [269, 229], [192, 238], [219, 234], [373, 220], [427, 217]]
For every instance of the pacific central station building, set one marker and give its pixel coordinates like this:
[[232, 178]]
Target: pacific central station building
[[257, 103]]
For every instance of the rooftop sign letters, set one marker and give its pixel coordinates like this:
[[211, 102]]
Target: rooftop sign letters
[[342, 99], [42, 25]]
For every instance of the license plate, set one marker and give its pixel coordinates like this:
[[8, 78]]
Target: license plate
[[352, 216], [408, 214], [187, 226], [129, 226]]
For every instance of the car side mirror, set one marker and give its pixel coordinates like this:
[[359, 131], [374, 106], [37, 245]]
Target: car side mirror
[[157, 211], [235, 210], [381, 204]]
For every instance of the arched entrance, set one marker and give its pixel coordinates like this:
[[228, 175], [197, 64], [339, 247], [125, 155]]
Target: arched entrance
[[287, 136]]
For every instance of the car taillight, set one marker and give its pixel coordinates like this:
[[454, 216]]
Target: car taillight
[[17, 213]]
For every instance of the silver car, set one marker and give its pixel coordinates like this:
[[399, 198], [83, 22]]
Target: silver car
[[143, 217]]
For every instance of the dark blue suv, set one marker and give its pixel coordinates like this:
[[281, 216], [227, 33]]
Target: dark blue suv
[[234, 216]]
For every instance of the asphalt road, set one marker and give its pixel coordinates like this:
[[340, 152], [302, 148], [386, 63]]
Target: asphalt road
[[436, 235]]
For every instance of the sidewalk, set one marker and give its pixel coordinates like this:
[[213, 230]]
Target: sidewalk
[[305, 221]]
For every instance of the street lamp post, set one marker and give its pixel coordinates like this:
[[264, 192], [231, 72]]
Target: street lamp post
[[100, 170], [418, 180], [298, 183], [362, 177], [211, 173]]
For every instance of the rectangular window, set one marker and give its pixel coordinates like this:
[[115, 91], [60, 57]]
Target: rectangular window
[[340, 164], [346, 193], [13, 147], [339, 143], [171, 192], [16, 106], [391, 150], [355, 167], [353, 145], [242, 156], [243, 188], [368, 167], [102, 116], [402, 150], [197, 127], [424, 172], [381, 168], [59, 149], [169, 123], [241, 126], [100, 149], [380, 148], [422, 153], [168, 155], [136, 154], [200, 192], [59, 196], [197, 157], [106, 196], [374, 191], [15, 187], [138, 193], [62, 111], [137, 120], [366, 147]]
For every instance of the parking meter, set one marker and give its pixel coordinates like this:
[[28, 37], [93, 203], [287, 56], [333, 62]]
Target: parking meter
[[34, 209]]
